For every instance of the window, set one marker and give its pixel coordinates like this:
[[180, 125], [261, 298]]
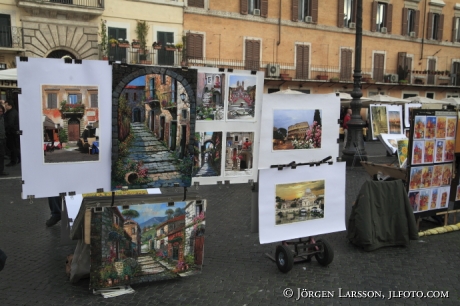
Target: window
[[404, 66], [379, 64], [5, 31], [194, 46], [381, 17], [199, 207], [94, 100], [409, 95], [196, 3], [116, 53], [252, 55], [302, 61], [410, 22], [127, 96], [152, 88], [134, 96], [304, 8], [431, 68], [249, 7], [165, 57], [349, 12], [430, 95], [52, 100], [133, 231], [345, 64], [456, 30], [74, 99], [435, 24]]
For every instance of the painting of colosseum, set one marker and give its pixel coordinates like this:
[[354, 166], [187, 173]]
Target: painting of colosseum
[[297, 129]]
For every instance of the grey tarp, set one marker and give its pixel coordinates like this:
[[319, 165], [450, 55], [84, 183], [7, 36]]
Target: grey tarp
[[381, 216]]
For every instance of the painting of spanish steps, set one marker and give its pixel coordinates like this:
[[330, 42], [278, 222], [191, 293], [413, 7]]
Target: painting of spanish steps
[[153, 131]]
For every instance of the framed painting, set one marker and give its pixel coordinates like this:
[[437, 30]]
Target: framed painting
[[242, 97], [379, 120]]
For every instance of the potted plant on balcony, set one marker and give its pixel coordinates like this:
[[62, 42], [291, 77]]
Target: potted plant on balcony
[[179, 46], [103, 36], [170, 47], [142, 30], [334, 80], [157, 45], [135, 44], [123, 43], [113, 42]]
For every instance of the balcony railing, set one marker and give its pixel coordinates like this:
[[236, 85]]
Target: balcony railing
[[77, 3], [151, 57], [11, 37]]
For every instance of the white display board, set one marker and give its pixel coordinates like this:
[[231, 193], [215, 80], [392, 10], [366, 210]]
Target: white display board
[[288, 124], [228, 114], [301, 202], [37, 78]]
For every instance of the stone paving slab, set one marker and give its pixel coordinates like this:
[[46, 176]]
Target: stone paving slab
[[236, 270]]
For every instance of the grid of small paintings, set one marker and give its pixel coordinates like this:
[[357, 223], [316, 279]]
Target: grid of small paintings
[[432, 156]]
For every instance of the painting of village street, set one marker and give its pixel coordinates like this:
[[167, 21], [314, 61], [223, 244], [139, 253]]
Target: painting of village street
[[379, 120], [153, 134], [208, 154], [210, 96], [70, 119], [298, 202], [146, 242], [239, 148], [241, 97], [296, 129]]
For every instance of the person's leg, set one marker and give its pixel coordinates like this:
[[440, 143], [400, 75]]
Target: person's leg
[[11, 145], [55, 208], [345, 136], [2, 157]]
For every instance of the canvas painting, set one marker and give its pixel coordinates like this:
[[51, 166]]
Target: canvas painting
[[379, 121], [70, 123], [446, 174], [146, 242], [239, 155], [451, 127], [440, 144], [415, 178], [419, 127], [241, 97], [414, 200], [430, 130], [210, 96], [299, 202], [449, 150], [153, 132], [441, 127], [208, 156], [417, 152], [457, 194], [394, 119], [296, 129], [434, 198], [427, 175], [428, 154], [444, 197], [424, 199], [437, 175], [402, 151]]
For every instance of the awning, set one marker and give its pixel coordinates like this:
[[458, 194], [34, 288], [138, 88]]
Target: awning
[[48, 123], [9, 74]]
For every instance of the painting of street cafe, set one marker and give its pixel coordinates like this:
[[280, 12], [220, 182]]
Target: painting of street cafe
[[153, 133], [70, 116], [241, 97], [146, 242]]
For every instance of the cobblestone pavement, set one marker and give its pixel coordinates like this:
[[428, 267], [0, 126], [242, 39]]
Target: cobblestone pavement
[[235, 271], [206, 170]]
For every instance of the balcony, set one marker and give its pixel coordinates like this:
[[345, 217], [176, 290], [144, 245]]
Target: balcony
[[11, 38], [152, 56], [83, 8]]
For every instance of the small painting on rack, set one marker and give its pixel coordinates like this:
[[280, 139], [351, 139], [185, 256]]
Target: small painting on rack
[[430, 127], [241, 97], [239, 153], [419, 127], [434, 198], [441, 127], [414, 200], [417, 152]]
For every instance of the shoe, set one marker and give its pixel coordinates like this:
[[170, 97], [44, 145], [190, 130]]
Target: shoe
[[52, 221], [4, 173], [10, 164]]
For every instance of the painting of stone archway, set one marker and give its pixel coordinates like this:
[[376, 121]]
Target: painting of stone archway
[[154, 112]]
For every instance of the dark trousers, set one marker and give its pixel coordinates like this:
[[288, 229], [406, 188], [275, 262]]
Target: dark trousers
[[55, 204], [2, 154], [12, 142]]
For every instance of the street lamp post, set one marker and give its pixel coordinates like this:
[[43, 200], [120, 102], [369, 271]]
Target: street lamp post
[[356, 124]]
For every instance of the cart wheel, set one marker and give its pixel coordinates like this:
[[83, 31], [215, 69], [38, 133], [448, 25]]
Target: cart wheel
[[327, 255], [284, 258]]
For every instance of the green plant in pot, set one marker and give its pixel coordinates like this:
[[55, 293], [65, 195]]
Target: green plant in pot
[[103, 37], [142, 30]]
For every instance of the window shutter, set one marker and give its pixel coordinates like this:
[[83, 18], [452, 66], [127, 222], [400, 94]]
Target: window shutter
[[52, 100], [252, 55], [440, 27], [374, 16], [417, 22], [345, 64], [314, 11], [429, 26], [302, 56], [94, 100], [295, 10], [79, 99], [244, 7], [402, 64], [378, 67], [454, 29], [340, 13], [405, 25], [194, 47], [431, 67], [389, 17], [264, 8]]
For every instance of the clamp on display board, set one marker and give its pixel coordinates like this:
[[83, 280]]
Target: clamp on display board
[[293, 164]]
